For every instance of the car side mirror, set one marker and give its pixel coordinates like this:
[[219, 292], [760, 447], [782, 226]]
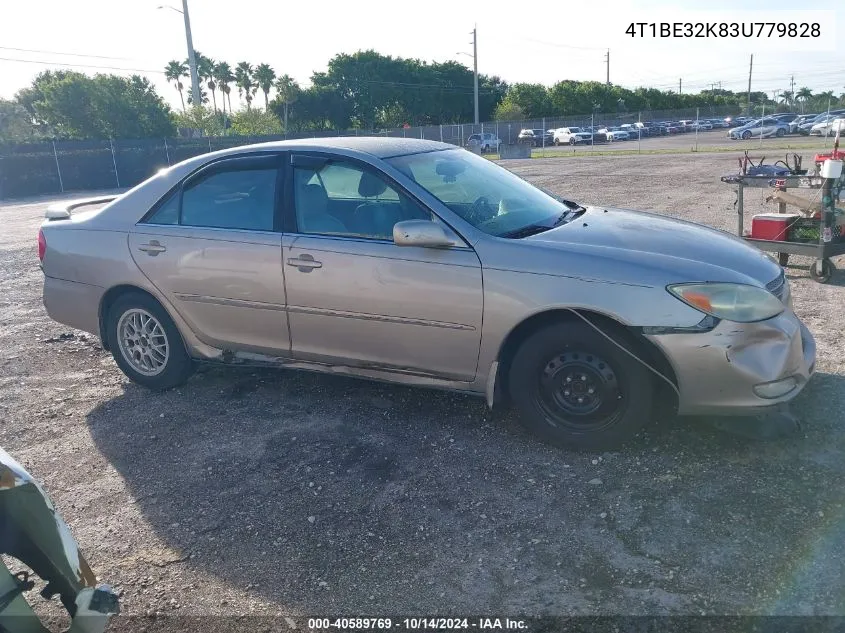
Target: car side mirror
[[421, 233]]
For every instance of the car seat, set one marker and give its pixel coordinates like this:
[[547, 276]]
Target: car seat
[[312, 214], [378, 217]]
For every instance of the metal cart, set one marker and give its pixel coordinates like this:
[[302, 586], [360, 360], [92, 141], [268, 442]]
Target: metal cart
[[822, 268]]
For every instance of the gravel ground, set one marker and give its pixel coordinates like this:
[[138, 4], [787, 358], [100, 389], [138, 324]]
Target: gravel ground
[[263, 492]]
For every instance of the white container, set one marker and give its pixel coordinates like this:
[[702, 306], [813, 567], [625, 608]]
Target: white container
[[831, 169]]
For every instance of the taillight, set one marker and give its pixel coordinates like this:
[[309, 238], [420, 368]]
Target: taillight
[[42, 245]]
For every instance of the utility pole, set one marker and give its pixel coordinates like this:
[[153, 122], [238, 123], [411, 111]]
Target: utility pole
[[680, 83], [192, 60], [607, 61], [792, 90], [750, 66], [475, 68]]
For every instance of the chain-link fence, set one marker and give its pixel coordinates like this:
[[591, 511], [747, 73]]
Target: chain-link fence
[[62, 166]]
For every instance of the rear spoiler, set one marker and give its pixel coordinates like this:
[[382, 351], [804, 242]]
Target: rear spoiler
[[62, 210]]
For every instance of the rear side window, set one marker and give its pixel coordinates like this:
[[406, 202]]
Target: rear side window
[[237, 196], [243, 199]]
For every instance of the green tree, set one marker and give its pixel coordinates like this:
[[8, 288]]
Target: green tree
[[287, 91], [255, 123], [532, 99], [264, 77], [174, 71], [244, 81], [73, 105], [205, 71], [803, 96], [224, 77], [15, 123], [200, 119], [507, 110]]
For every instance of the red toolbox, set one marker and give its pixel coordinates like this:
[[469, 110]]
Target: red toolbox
[[772, 226]]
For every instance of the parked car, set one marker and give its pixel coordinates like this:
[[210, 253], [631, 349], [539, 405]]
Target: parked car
[[571, 136], [656, 129], [828, 128], [488, 142], [786, 117], [824, 117], [761, 128], [634, 130], [416, 262], [598, 135], [719, 123], [795, 124], [615, 134], [700, 125], [34, 532], [536, 137], [672, 127]]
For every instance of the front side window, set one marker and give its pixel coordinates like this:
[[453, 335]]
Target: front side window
[[489, 197], [345, 199]]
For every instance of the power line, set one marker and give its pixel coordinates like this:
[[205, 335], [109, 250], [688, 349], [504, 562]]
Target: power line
[[65, 54], [95, 66]]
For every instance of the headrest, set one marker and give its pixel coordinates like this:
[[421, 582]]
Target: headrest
[[370, 185]]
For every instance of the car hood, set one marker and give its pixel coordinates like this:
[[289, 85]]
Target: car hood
[[655, 241]]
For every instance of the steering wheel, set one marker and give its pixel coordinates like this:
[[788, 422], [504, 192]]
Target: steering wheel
[[481, 211]]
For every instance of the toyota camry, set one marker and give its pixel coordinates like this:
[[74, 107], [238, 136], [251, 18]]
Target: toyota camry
[[421, 263]]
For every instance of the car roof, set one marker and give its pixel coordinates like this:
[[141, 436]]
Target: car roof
[[378, 146]]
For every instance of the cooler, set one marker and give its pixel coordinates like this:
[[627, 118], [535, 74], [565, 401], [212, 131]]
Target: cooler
[[772, 226]]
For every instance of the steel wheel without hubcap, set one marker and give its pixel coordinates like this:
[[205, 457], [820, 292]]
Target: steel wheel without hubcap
[[580, 391], [143, 342]]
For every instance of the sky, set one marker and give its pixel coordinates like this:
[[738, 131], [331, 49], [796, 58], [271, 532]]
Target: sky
[[531, 41]]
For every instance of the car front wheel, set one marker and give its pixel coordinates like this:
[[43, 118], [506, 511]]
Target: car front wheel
[[575, 388], [746, 135], [146, 344]]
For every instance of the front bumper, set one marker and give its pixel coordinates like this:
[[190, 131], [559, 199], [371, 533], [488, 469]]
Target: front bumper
[[721, 372]]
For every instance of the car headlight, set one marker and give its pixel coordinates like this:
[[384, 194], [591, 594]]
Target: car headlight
[[732, 302]]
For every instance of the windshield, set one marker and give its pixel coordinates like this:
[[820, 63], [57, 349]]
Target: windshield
[[489, 197]]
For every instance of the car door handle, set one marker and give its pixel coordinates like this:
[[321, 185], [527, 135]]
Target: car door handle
[[152, 248], [305, 263]]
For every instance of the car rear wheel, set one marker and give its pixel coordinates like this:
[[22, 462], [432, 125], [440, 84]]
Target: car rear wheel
[[146, 344], [572, 140], [574, 388]]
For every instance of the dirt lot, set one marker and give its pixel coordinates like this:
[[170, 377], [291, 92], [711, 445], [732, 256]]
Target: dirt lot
[[293, 493]]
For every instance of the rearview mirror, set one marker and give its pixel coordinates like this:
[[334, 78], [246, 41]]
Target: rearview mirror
[[421, 233]]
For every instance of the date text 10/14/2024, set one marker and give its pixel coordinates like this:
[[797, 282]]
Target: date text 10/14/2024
[[416, 624]]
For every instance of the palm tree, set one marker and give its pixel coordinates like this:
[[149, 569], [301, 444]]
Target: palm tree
[[174, 71], [264, 76], [804, 95], [205, 70], [824, 99], [243, 79], [223, 75], [288, 90]]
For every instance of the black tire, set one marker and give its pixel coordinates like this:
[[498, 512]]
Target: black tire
[[575, 354], [177, 367], [822, 276], [572, 140], [746, 135], [780, 133]]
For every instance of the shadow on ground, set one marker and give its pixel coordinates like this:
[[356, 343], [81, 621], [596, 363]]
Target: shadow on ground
[[328, 494]]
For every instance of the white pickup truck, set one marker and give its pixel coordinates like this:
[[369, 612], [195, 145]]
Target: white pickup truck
[[571, 136]]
